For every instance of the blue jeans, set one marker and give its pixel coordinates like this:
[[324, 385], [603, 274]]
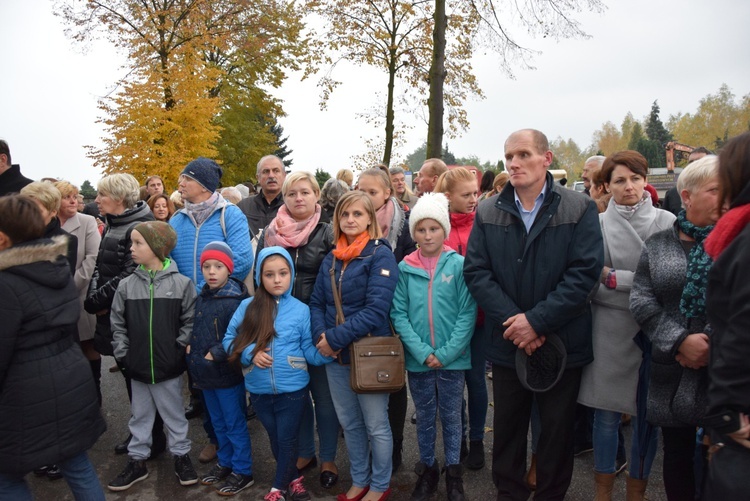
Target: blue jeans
[[325, 416], [606, 426], [78, 472], [364, 418], [477, 390], [280, 415], [431, 390], [226, 406]]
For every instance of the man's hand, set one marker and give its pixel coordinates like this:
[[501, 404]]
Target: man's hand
[[742, 436], [518, 330], [262, 359], [693, 352], [432, 362]]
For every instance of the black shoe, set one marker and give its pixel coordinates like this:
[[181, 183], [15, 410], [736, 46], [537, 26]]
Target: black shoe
[[454, 485], [54, 472], [396, 456], [135, 471], [122, 447], [158, 445], [250, 412], [235, 483], [309, 466], [475, 459], [427, 481], [184, 470], [193, 410], [464, 451], [41, 471], [328, 479], [216, 474], [414, 418], [584, 448]]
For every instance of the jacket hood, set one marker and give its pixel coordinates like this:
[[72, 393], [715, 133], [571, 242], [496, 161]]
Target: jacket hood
[[271, 251], [39, 252], [413, 258], [171, 267]]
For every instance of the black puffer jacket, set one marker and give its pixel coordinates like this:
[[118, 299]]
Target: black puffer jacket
[[307, 259], [49, 409], [112, 265], [213, 311]]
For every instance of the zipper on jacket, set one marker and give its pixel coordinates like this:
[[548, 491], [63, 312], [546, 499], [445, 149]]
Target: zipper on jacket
[[429, 306], [273, 357], [151, 326], [296, 275], [216, 328]]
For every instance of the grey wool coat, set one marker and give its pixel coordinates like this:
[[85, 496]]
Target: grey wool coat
[[610, 381], [676, 395]]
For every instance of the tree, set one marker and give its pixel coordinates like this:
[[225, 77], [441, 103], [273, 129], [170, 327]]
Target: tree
[[655, 129], [636, 136], [718, 116], [568, 156], [394, 36], [182, 56], [282, 152], [608, 139], [87, 191], [480, 20], [321, 176]]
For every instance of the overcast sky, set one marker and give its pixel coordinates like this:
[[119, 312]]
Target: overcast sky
[[639, 51]]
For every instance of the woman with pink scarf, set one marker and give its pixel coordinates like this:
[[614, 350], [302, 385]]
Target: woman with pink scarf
[[298, 228]]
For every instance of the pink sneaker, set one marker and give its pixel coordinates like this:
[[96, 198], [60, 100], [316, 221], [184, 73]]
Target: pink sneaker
[[275, 496], [297, 491]]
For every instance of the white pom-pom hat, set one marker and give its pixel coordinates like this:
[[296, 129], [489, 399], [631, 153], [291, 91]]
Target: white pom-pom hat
[[430, 206]]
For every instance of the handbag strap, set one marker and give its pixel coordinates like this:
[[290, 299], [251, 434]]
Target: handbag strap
[[336, 294]]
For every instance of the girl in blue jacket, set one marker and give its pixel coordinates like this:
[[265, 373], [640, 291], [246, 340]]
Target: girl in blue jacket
[[435, 314], [270, 335]]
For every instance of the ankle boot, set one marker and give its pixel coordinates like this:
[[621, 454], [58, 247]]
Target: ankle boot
[[454, 485], [397, 452], [531, 474], [427, 481], [605, 482], [636, 489], [96, 370], [475, 461]]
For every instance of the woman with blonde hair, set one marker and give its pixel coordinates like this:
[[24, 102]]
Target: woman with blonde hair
[[346, 176], [365, 270]]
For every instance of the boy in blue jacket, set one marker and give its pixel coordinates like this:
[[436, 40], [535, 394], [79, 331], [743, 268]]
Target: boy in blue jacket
[[152, 318]]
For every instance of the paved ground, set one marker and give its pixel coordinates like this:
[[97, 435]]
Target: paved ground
[[162, 483]]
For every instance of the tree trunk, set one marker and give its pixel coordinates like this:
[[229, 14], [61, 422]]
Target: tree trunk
[[436, 79], [389, 127]]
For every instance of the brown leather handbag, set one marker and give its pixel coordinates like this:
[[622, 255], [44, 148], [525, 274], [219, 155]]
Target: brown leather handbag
[[376, 362]]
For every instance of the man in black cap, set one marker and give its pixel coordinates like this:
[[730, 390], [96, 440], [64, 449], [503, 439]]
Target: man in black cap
[[534, 255], [11, 179]]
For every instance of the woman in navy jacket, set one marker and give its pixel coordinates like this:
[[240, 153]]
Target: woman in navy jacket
[[366, 274]]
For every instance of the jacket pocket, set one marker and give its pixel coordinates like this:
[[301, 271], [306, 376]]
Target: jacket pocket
[[297, 362]]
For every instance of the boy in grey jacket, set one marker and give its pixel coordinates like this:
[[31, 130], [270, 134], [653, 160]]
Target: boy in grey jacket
[[152, 318]]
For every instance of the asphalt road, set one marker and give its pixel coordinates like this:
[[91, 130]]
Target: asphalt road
[[163, 485]]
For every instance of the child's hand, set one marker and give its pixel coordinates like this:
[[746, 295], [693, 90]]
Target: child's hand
[[187, 350], [208, 356], [262, 359], [433, 363]]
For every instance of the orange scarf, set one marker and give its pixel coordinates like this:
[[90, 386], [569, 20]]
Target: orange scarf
[[346, 251]]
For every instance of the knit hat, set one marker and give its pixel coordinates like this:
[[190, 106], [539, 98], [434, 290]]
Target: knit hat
[[219, 251], [430, 206], [543, 369], [160, 236], [205, 172]]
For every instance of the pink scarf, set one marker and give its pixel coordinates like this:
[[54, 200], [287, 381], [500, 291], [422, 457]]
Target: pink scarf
[[289, 233], [384, 216]]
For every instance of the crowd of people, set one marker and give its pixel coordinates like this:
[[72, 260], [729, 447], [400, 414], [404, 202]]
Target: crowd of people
[[587, 309]]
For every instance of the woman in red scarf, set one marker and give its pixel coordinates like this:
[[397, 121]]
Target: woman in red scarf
[[299, 228], [365, 273], [728, 307]]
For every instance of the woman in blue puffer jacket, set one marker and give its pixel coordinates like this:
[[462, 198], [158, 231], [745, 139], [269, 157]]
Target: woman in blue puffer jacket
[[270, 335]]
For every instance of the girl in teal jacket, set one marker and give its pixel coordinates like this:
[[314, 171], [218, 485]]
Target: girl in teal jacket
[[434, 313]]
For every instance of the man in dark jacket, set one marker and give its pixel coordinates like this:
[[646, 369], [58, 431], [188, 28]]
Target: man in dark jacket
[[534, 255], [262, 208], [11, 179]]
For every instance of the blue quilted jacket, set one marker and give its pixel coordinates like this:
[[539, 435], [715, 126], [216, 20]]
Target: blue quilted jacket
[[226, 224]]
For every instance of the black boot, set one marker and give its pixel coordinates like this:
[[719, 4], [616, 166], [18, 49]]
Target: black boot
[[96, 371], [396, 457], [454, 485], [122, 447], [427, 481], [464, 451], [475, 460]]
